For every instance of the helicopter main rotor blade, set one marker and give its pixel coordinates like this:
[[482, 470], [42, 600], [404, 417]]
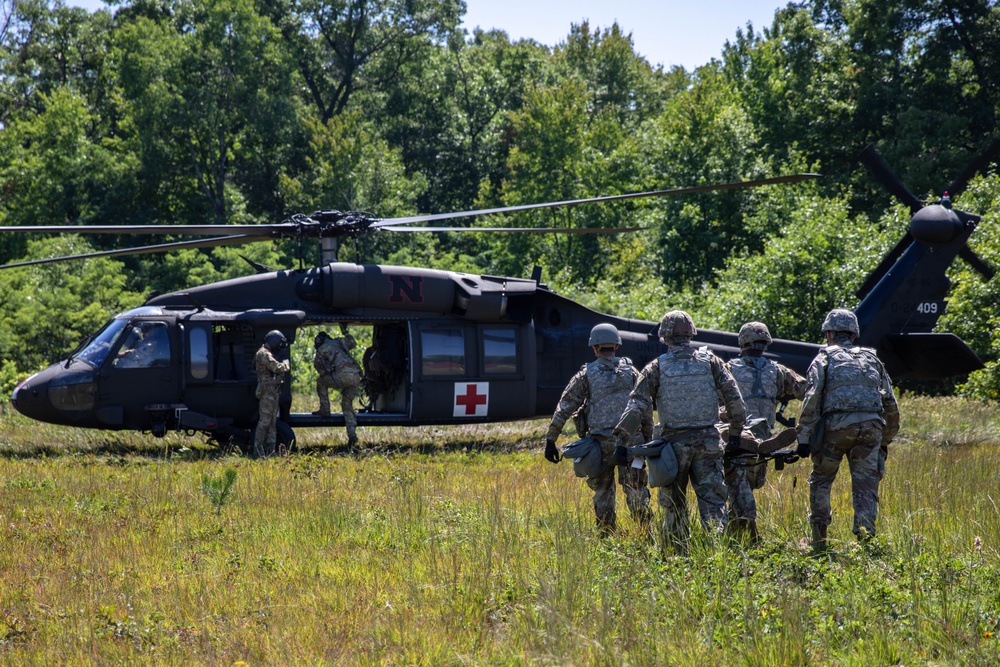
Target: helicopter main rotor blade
[[142, 250], [792, 178], [264, 231], [530, 230]]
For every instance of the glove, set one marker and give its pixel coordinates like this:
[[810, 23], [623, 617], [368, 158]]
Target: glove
[[551, 453], [802, 450], [620, 456], [885, 450], [734, 445]]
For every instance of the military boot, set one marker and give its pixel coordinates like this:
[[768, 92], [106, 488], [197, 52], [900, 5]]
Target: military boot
[[352, 440], [819, 543], [753, 535]]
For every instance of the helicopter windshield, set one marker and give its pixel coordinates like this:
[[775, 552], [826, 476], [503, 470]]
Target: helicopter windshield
[[97, 349]]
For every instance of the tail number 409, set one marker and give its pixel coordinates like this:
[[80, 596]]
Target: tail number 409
[[927, 307]]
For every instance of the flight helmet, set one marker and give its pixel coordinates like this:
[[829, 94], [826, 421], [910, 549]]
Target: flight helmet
[[275, 340]]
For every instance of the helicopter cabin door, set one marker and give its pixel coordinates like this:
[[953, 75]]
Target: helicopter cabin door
[[141, 374], [467, 372]]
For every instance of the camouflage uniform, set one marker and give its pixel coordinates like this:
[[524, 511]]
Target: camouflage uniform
[[338, 370], [602, 388], [763, 384], [849, 405], [686, 385], [270, 374]]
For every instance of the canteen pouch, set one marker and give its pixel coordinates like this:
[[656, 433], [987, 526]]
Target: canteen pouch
[[586, 456]]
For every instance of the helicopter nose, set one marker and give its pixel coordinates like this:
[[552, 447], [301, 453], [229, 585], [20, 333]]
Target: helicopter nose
[[55, 395]]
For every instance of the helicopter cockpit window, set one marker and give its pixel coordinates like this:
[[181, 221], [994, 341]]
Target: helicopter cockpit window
[[96, 350], [443, 352], [146, 345], [499, 351]]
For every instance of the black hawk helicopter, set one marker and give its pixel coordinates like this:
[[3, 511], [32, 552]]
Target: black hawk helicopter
[[447, 347]]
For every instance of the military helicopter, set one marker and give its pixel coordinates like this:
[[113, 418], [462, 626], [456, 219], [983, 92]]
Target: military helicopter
[[447, 347]]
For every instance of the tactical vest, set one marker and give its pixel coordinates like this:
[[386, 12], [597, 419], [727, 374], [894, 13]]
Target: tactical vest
[[610, 387], [759, 386], [688, 397], [852, 380]]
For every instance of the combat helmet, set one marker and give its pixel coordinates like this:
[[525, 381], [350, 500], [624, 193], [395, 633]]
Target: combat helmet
[[841, 319], [275, 340], [754, 335], [605, 334], [321, 338], [677, 324]]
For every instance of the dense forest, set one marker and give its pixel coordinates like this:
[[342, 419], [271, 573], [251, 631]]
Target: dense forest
[[249, 111]]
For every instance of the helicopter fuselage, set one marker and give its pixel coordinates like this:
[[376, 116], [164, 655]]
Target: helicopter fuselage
[[453, 347]]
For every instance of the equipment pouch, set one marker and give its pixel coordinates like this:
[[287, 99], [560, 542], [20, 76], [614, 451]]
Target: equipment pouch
[[661, 462], [586, 455]]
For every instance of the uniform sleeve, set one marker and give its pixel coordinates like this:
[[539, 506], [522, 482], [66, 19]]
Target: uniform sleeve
[[270, 363], [573, 396], [642, 399], [812, 402], [790, 384], [729, 395], [890, 409]]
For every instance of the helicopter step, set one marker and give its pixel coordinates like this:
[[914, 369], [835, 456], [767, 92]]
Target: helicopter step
[[308, 419]]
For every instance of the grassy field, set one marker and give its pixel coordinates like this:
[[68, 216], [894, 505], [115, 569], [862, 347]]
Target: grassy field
[[462, 546]]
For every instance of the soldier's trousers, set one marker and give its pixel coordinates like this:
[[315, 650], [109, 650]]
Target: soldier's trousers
[[266, 435], [699, 461], [348, 392], [634, 483], [741, 480], [742, 504], [861, 444]]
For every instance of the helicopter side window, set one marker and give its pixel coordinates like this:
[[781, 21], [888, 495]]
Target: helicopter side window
[[443, 352], [147, 345], [500, 351], [198, 353]]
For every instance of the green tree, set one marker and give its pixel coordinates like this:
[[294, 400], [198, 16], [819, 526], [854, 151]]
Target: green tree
[[815, 263], [54, 173], [344, 46], [49, 309], [209, 96], [45, 46]]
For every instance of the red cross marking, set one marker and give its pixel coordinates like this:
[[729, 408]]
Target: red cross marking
[[471, 399]]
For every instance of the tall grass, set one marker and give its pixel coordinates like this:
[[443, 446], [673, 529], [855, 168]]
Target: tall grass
[[460, 553]]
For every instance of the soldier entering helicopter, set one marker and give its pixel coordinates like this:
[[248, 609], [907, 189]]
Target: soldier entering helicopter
[[338, 370]]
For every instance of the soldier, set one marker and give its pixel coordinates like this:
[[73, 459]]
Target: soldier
[[763, 384], [337, 370], [270, 374], [599, 393], [686, 385], [848, 410]]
